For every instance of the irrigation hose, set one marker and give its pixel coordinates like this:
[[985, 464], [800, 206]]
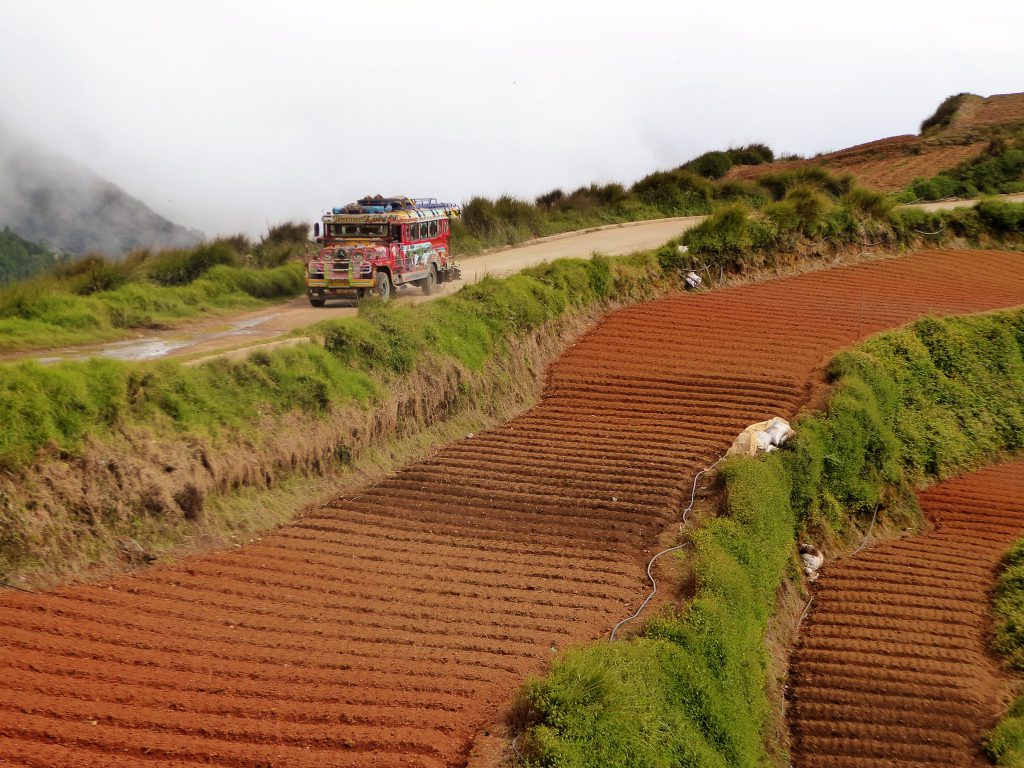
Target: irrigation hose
[[650, 564], [922, 232], [804, 614], [868, 534]]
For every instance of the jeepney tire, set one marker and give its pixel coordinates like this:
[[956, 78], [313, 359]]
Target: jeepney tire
[[317, 302], [361, 293], [382, 286], [427, 283]]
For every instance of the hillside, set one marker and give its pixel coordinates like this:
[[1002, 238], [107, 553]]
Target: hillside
[[21, 258], [891, 164], [47, 197]]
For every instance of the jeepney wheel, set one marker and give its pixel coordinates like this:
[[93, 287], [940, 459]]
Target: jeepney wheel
[[317, 302], [382, 286], [427, 283]]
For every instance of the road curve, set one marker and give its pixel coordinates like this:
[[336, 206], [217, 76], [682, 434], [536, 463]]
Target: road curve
[[217, 337], [255, 327], [386, 628]]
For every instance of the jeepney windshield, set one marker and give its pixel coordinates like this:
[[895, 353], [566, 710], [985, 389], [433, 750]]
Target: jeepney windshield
[[357, 230]]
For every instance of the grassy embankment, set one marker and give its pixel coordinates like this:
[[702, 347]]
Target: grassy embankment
[[153, 440], [95, 451], [907, 407], [813, 213], [1005, 743], [96, 299]]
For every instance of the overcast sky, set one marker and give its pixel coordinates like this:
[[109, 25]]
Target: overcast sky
[[226, 116]]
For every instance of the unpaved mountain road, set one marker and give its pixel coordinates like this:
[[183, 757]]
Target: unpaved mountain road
[[235, 335], [208, 337]]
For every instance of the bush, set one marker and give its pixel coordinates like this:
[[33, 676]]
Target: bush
[[943, 115], [711, 165], [180, 267]]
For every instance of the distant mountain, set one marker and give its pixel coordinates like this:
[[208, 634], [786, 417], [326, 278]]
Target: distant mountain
[[47, 198]]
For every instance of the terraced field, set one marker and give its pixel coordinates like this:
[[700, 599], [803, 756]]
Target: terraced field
[[386, 629], [893, 669], [886, 165]]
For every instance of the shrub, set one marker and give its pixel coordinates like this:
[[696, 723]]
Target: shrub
[[711, 165], [868, 203], [1002, 216], [179, 267], [751, 154], [944, 113]]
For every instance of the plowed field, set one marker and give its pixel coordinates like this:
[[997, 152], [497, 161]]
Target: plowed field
[[385, 629], [886, 165], [893, 668]]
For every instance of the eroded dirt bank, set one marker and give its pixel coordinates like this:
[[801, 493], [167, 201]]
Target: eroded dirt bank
[[386, 628], [893, 667]]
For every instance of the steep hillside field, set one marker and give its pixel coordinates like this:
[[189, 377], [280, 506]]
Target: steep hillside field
[[387, 628], [888, 165], [893, 667]]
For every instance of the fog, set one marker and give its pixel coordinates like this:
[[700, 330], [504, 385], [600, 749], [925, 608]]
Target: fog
[[226, 116]]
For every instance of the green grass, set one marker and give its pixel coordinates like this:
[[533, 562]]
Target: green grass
[[911, 405], [52, 411], [95, 299], [688, 190], [998, 170], [21, 259], [57, 405], [43, 313], [1005, 742], [813, 210]]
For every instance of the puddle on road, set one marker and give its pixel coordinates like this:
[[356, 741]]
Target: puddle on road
[[146, 349], [151, 348]]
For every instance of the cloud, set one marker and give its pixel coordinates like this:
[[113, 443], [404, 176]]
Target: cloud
[[228, 115]]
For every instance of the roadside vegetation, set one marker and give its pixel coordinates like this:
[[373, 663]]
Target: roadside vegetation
[[812, 211], [907, 407], [1005, 742], [999, 170], [330, 387], [98, 299], [692, 189], [21, 259]]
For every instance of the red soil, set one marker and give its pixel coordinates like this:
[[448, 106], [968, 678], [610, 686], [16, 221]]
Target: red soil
[[1007, 108], [387, 628], [886, 165], [893, 669]]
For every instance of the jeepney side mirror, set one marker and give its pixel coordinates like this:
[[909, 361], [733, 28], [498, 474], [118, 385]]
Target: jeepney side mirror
[[316, 229]]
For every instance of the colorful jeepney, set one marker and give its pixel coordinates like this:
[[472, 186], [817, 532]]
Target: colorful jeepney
[[378, 244]]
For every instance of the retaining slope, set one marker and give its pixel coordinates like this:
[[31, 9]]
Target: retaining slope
[[386, 628], [893, 667]]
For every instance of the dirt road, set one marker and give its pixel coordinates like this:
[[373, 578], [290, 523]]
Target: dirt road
[[234, 336], [263, 325], [893, 668], [387, 628]]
